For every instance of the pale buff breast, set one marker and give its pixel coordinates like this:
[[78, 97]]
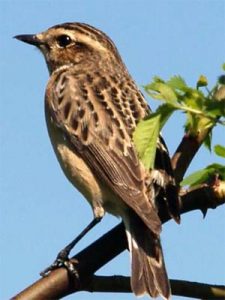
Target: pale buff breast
[[81, 176], [74, 167]]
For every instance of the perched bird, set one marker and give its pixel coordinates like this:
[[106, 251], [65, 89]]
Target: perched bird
[[92, 107]]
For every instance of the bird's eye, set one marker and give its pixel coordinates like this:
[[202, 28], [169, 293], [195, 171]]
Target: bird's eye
[[63, 40]]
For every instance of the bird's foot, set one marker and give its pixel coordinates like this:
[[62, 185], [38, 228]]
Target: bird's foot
[[62, 260]]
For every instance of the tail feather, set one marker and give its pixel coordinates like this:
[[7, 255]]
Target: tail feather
[[149, 274]]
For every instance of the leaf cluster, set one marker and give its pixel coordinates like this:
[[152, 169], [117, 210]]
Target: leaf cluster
[[203, 110]]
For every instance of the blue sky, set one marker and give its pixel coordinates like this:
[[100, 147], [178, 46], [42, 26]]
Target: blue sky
[[40, 210]]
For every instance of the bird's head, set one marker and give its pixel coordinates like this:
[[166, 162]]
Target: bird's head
[[72, 44]]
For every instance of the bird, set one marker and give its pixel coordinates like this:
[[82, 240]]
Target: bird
[[92, 107]]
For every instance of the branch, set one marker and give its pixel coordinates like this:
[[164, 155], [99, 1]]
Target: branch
[[116, 284], [121, 284], [185, 152], [58, 284]]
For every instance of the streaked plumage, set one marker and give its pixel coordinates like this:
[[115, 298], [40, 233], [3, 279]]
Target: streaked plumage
[[92, 108]]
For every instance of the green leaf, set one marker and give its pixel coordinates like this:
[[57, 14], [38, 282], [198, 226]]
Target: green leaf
[[217, 169], [202, 176], [189, 123], [158, 79], [193, 99], [215, 108], [159, 90], [219, 150], [147, 131], [223, 66], [165, 111], [196, 178], [177, 82], [202, 81], [145, 139], [208, 141]]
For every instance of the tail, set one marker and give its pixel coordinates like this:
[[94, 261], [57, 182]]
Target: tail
[[149, 274]]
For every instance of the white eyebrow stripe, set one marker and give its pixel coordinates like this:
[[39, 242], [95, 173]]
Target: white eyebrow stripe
[[90, 41]]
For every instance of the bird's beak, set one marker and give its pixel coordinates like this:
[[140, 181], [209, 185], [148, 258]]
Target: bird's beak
[[29, 39]]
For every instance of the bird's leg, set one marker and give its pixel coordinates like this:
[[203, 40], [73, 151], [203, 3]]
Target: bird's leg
[[62, 259]]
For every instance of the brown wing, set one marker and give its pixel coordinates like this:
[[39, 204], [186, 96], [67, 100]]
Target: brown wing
[[96, 132]]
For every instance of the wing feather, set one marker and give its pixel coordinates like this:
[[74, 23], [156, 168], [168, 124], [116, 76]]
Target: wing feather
[[117, 167]]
